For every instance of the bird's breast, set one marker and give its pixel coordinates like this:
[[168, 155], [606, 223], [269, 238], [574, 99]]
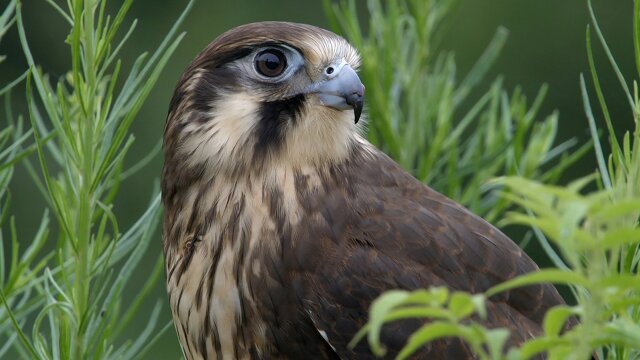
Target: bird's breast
[[227, 236]]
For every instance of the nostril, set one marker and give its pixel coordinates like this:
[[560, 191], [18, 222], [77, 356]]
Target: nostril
[[329, 70], [354, 98]]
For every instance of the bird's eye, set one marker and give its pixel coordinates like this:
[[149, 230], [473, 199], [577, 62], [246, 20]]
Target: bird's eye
[[270, 63]]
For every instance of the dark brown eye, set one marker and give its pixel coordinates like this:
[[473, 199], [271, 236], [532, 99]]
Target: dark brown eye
[[270, 63]]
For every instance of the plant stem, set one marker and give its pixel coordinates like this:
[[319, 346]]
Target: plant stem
[[86, 204]]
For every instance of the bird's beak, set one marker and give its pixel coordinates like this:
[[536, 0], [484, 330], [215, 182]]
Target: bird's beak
[[342, 90]]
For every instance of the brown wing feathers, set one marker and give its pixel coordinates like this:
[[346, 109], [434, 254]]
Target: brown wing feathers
[[394, 232]]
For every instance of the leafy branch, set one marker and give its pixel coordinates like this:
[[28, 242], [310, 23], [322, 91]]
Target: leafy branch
[[72, 296]]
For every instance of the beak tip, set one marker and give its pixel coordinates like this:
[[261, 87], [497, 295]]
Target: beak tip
[[357, 111], [356, 100]]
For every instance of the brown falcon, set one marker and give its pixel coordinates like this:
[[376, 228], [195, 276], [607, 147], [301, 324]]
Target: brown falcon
[[282, 223]]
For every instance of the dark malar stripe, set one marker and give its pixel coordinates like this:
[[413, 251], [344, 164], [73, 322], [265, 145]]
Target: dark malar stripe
[[273, 118]]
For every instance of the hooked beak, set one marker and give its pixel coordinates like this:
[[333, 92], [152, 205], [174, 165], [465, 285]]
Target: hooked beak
[[343, 91]]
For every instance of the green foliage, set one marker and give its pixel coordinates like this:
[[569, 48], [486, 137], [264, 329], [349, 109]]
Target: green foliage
[[70, 292], [417, 106], [444, 308], [597, 235], [6, 20]]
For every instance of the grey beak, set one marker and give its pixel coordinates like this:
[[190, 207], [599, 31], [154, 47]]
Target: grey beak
[[342, 91]]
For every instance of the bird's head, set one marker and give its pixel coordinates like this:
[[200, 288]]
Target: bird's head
[[265, 94]]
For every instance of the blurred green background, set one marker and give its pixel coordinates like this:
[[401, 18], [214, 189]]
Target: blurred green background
[[546, 45]]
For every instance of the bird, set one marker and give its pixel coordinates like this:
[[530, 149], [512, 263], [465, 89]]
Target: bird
[[282, 223]]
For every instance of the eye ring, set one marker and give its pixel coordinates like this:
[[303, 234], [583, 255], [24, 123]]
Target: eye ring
[[270, 62]]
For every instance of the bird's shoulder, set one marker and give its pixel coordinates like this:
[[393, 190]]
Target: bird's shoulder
[[374, 204]]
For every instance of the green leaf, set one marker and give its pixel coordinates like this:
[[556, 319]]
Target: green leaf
[[496, 340], [555, 319], [379, 310], [620, 208], [461, 304], [426, 333], [604, 173], [618, 237], [540, 344], [18, 329], [610, 57], [554, 276]]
